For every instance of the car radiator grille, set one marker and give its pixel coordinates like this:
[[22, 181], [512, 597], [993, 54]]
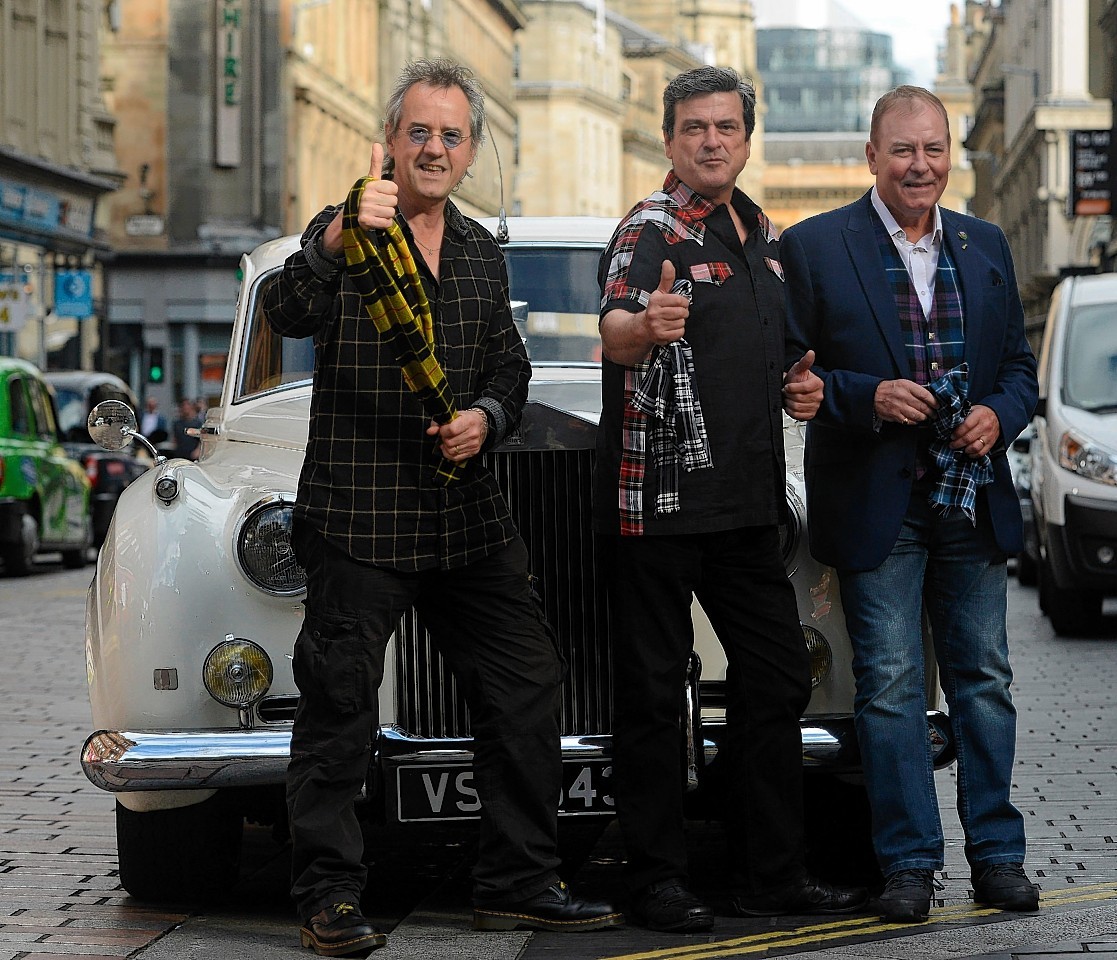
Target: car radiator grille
[[548, 492]]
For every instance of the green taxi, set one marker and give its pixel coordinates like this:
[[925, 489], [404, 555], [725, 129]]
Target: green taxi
[[44, 493]]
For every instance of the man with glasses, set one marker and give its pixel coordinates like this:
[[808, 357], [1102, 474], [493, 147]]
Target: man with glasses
[[395, 509]]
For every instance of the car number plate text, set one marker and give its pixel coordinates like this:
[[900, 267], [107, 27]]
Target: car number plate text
[[447, 792]]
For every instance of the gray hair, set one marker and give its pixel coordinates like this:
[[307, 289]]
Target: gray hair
[[443, 73], [909, 97], [703, 80]]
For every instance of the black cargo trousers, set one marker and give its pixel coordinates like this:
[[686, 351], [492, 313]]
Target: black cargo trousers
[[490, 630]]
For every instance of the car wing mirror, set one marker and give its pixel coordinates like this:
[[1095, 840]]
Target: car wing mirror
[[112, 425]]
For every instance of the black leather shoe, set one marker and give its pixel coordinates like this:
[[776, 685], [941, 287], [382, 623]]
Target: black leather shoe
[[557, 908], [1005, 886], [907, 896], [802, 897], [669, 905], [341, 931]]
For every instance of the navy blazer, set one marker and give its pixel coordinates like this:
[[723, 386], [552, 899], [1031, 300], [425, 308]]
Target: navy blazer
[[841, 305]]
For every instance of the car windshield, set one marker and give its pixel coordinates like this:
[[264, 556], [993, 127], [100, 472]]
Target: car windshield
[[554, 298], [1090, 371]]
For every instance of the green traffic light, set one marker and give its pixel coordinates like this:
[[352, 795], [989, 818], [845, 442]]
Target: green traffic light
[[156, 374]]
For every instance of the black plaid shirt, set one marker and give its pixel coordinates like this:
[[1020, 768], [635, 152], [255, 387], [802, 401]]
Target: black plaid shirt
[[367, 481]]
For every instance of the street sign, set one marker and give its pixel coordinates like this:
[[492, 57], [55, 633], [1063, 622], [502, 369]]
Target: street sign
[[73, 293], [144, 225], [16, 307], [1091, 166]]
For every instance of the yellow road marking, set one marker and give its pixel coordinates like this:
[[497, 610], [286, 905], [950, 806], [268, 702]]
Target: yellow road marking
[[854, 927]]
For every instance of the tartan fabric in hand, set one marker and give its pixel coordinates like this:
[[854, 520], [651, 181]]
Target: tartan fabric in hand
[[376, 273], [961, 475], [667, 395]]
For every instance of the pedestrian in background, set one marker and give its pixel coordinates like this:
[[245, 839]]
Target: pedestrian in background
[[186, 443], [395, 510], [916, 322], [692, 291], [153, 424]]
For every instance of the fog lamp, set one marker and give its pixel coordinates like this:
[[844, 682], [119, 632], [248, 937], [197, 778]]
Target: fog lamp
[[819, 651], [237, 672], [1106, 555]]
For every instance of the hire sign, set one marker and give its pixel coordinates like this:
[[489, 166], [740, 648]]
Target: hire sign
[[228, 57]]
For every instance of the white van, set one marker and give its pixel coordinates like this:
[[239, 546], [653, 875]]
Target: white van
[[1074, 455]]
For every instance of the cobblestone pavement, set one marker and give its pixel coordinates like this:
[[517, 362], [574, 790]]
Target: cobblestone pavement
[[58, 886], [59, 893]]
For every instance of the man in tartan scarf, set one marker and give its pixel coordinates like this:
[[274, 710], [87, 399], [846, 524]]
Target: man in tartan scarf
[[915, 318], [688, 499], [418, 369]]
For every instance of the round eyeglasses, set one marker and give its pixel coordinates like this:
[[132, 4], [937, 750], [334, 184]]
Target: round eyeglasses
[[450, 139]]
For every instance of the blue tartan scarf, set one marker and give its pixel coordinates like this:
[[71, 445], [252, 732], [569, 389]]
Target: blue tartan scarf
[[961, 475], [668, 396]]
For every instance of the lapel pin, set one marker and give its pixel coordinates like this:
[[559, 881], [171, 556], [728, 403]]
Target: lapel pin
[[962, 236]]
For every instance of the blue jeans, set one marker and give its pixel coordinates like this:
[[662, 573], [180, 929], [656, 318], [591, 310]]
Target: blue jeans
[[959, 573]]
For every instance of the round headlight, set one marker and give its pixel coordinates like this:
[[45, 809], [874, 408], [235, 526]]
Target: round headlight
[[237, 672], [264, 549], [819, 650]]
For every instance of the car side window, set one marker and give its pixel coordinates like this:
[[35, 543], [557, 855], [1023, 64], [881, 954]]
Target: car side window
[[45, 426], [269, 360], [17, 403]]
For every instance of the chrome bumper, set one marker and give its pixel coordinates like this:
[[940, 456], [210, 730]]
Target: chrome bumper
[[213, 759], [186, 760]]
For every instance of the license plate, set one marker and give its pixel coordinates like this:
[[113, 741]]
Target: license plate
[[446, 791]]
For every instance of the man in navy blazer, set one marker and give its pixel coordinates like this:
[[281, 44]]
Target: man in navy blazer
[[918, 331]]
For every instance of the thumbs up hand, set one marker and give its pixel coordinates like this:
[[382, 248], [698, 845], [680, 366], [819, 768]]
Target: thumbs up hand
[[380, 198], [378, 206], [802, 389], [666, 314]]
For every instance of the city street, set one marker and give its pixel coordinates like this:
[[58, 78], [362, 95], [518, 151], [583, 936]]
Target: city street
[[59, 894]]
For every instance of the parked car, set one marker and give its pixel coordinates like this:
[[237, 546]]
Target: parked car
[[1074, 455], [197, 596], [44, 493], [1020, 464], [77, 392]]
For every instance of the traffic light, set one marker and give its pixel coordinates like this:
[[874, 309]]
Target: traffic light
[[155, 368]]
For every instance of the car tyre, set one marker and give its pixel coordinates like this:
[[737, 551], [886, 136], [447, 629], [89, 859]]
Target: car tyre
[[1027, 572], [1072, 612], [76, 559], [19, 558], [182, 855]]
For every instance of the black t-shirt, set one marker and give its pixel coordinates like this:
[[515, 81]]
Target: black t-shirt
[[736, 332]]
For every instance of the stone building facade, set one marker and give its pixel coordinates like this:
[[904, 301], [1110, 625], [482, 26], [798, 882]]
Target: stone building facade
[[56, 168], [1043, 72]]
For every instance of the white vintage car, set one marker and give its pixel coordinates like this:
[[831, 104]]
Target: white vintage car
[[196, 603]]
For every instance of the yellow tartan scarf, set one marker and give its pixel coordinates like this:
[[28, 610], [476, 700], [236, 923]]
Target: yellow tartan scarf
[[377, 273]]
